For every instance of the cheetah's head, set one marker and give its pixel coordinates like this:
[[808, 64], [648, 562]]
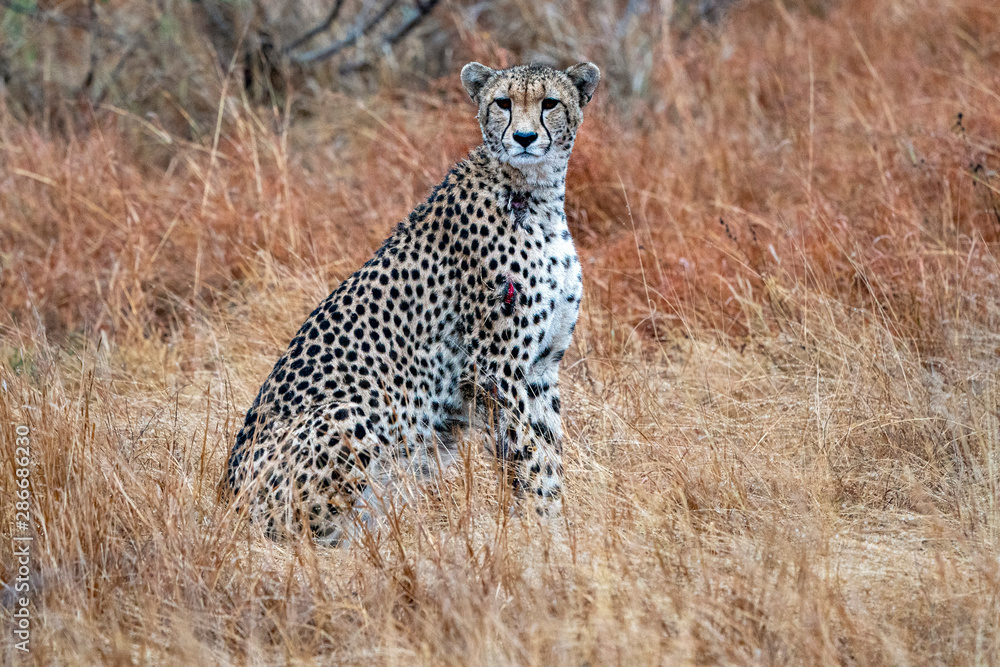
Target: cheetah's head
[[530, 114]]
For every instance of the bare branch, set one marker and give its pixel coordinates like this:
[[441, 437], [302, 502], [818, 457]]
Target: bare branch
[[338, 46], [423, 9], [322, 27]]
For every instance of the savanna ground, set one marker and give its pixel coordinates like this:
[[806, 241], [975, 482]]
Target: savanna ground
[[782, 405]]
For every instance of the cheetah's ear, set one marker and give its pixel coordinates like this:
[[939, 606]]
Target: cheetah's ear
[[585, 77], [474, 77]]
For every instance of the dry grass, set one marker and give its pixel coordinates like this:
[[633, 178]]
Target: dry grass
[[783, 429]]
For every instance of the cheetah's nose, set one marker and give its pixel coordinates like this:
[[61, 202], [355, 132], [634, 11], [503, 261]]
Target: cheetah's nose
[[525, 138]]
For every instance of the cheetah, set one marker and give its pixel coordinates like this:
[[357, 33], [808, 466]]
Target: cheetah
[[466, 310]]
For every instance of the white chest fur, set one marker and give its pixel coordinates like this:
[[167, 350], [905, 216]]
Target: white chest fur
[[556, 275]]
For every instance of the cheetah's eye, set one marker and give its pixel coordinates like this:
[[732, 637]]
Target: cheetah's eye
[[503, 103], [549, 103]]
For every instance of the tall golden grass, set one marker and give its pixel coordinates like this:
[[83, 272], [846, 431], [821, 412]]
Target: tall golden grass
[[782, 405]]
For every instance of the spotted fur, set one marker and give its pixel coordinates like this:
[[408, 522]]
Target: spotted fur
[[464, 312]]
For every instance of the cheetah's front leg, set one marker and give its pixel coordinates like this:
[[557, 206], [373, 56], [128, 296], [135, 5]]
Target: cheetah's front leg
[[530, 440]]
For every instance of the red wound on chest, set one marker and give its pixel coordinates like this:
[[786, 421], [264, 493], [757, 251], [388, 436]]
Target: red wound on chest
[[509, 299]]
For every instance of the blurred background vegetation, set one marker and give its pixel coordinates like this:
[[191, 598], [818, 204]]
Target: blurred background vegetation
[[167, 59]]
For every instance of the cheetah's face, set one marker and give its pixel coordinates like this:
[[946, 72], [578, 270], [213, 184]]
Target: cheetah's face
[[530, 114]]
